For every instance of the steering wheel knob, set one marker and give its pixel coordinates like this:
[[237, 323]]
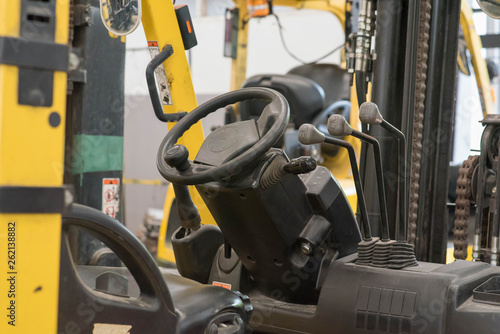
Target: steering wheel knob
[[177, 157]]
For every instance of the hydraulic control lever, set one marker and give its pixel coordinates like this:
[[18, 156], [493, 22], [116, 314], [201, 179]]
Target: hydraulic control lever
[[369, 114], [309, 135], [338, 126], [402, 254]]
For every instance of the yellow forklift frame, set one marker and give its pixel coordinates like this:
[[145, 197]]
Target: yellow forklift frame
[[31, 164], [32, 141]]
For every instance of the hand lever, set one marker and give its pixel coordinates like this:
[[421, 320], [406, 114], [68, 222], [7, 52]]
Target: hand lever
[[177, 157]]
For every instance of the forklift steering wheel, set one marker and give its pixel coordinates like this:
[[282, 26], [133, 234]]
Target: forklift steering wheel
[[271, 126]]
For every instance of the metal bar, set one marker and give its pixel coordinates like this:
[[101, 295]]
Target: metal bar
[[439, 119], [388, 78]]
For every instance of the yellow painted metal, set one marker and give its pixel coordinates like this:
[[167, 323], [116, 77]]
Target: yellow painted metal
[[146, 182], [28, 143], [450, 257], [474, 45], [239, 65], [38, 239], [336, 7], [31, 154], [164, 250], [160, 24]]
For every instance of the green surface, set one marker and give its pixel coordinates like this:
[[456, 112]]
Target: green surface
[[97, 154]]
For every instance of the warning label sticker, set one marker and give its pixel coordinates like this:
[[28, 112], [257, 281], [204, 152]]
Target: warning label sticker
[[222, 285], [161, 76], [110, 196]]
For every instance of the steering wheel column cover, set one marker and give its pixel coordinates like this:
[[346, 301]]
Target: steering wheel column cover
[[277, 112]]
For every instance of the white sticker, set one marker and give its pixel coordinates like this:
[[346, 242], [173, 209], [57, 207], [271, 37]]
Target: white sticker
[[111, 329], [110, 196], [161, 76]]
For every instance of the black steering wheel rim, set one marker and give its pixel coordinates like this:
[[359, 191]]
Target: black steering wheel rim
[[277, 112]]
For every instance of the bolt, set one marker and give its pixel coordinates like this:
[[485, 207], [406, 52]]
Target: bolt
[[306, 248], [68, 197]]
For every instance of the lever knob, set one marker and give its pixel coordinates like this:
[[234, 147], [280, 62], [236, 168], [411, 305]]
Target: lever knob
[[300, 165], [338, 126], [177, 157], [369, 113], [309, 135]]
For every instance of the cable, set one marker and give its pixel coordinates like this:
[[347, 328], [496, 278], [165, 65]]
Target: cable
[[294, 56]]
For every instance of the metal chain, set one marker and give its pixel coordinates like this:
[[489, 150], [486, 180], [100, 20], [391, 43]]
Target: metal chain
[[418, 116], [462, 206], [71, 22]]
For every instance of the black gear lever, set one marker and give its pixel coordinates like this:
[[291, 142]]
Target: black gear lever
[[178, 157]]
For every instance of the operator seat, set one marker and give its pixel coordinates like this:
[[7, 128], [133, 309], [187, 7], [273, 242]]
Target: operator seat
[[331, 77], [312, 91], [139, 295], [305, 97]]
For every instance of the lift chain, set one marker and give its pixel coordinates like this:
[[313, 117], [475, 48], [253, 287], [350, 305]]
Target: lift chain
[[462, 206], [418, 116]]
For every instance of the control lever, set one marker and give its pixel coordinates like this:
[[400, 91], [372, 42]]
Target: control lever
[[300, 165], [177, 157], [309, 135], [194, 246], [402, 254], [277, 170], [338, 126], [370, 114]]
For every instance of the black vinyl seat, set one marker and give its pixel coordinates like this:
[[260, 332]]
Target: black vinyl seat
[[305, 97], [313, 91], [331, 77], [140, 295], [196, 304]]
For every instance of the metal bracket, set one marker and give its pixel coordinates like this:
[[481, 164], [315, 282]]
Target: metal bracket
[[31, 199], [83, 15], [27, 53]]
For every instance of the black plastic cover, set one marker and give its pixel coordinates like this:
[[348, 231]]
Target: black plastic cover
[[227, 142]]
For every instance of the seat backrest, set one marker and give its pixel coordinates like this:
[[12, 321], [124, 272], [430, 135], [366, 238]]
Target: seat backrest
[[305, 97], [332, 78]]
